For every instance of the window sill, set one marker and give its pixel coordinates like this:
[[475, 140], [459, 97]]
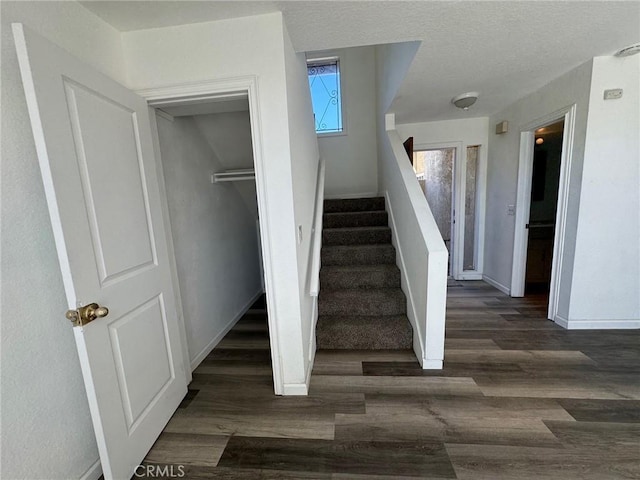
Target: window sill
[[332, 134]]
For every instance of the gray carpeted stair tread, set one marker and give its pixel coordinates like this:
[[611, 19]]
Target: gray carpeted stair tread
[[353, 204], [361, 305], [359, 301], [358, 254], [355, 219], [356, 235], [359, 276], [364, 332]]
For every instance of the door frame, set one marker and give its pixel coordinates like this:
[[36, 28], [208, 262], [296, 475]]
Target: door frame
[[457, 204], [231, 88], [523, 204]]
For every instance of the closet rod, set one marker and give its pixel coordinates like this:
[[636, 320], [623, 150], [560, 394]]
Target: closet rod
[[233, 176]]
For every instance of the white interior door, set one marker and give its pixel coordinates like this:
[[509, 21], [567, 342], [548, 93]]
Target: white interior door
[[94, 145]]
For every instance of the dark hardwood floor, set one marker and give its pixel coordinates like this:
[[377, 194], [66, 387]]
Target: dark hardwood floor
[[518, 398]]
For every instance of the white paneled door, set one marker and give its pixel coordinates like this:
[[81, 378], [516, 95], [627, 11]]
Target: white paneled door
[[93, 139]]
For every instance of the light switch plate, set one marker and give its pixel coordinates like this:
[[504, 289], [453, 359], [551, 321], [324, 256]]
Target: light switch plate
[[511, 209], [613, 94]]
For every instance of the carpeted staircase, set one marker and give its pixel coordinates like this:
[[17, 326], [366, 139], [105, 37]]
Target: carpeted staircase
[[361, 305]]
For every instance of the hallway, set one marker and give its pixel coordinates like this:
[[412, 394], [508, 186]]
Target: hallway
[[519, 397]]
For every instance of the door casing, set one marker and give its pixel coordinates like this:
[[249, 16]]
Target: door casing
[[458, 204], [229, 88], [523, 204]]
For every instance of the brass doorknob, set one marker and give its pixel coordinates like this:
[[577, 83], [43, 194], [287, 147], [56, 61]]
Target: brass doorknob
[[86, 314]]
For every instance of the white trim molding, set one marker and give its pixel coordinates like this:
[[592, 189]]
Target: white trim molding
[[197, 92], [296, 389], [597, 324], [412, 314], [496, 284], [93, 472], [523, 203], [432, 364], [316, 233], [234, 88]]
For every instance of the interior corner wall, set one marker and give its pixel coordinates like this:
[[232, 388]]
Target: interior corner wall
[[46, 425], [304, 165], [243, 47], [502, 174], [351, 159], [392, 63], [229, 136], [214, 236], [606, 277]]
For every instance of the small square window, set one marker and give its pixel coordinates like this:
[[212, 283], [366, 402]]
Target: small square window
[[326, 96]]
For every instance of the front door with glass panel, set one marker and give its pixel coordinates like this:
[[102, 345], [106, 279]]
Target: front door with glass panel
[[450, 187]]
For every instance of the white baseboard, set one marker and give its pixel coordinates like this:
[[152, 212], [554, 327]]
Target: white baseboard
[[412, 315], [432, 364], [302, 389], [94, 472], [597, 324], [339, 196], [292, 389], [312, 342], [197, 360], [496, 284], [563, 322], [469, 276]]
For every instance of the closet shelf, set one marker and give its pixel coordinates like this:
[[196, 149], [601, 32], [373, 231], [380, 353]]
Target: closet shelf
[[233, 175]]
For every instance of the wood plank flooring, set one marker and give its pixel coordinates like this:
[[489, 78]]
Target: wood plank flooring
[[518, 398]]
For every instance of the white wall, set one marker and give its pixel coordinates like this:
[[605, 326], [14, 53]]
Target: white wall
[[304, 163], [224, 49], [421, 253], [229, 136], [214, 236], [606, 276], [502, 174], [46, 426], [466, 132], [352, 158]]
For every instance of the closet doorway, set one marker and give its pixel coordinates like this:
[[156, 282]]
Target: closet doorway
[[209, 146]]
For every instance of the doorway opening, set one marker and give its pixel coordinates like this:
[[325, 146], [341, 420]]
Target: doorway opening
[[216, 125], [435, 170], [543, 204], [543, 199]]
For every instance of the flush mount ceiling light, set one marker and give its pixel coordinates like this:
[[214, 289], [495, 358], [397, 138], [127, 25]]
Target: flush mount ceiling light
[[465, 100], [628, 51]]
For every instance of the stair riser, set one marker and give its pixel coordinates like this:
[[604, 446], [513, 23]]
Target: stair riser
[[363, 219], [384, 255], [372, 307], [362, 339], [353, 205], [355, 237], [373, 333], [342, 280]]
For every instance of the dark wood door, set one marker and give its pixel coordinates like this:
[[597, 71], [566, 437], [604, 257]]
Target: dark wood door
[[408, 146]]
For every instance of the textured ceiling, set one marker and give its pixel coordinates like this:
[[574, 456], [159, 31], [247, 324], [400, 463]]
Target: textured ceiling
[[504, 50]]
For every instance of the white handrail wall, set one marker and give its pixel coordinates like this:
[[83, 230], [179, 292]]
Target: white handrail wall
[[422, 255], [316, 233]]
